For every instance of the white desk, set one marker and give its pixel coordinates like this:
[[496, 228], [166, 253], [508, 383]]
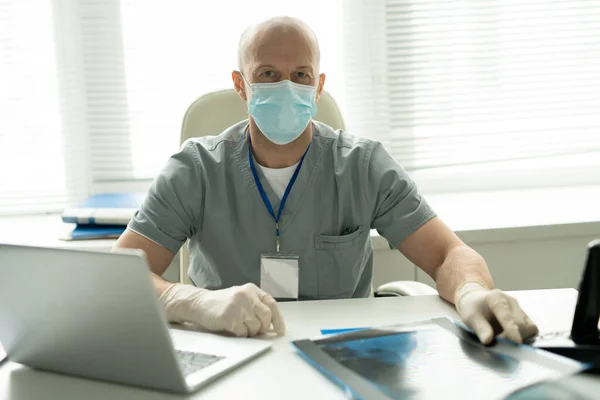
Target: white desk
[[281, 373]]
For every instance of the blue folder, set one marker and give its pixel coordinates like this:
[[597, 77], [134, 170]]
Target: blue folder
[[88, 232], [105, 209]]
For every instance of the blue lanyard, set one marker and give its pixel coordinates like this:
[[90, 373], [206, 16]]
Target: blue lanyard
[[261, 190]]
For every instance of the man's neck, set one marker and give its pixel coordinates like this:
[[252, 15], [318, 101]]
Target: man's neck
[[271, 155]]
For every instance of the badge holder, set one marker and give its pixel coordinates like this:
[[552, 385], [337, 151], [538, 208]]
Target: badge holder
[[279, 276]]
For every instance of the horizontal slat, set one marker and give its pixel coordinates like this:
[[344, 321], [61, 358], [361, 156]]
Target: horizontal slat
[[478, 7], [493, 33]]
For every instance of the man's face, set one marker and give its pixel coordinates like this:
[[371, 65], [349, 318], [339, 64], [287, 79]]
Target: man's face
[[277, 57]]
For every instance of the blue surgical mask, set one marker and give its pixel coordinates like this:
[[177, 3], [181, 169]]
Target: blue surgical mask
[[282, 110]]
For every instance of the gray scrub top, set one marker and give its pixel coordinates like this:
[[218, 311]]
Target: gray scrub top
[[346, 186]]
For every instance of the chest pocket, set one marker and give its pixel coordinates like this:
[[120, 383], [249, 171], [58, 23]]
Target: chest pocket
[[340, 262]]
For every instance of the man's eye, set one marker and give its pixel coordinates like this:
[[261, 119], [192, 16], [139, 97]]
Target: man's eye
[[268, 74], [301, 75]]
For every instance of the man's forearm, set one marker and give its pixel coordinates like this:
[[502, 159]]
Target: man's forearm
[[158, 257], [462, 264], [160, 285]]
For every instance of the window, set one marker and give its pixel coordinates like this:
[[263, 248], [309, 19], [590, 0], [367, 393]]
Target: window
[[466, 94], [175, 51], [97, 89], [482, 94]]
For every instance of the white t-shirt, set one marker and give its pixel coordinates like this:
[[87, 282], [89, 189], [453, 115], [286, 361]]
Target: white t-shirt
[[278, 178]]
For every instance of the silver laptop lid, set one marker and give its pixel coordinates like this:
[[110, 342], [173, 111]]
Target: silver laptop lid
[[90, 314]]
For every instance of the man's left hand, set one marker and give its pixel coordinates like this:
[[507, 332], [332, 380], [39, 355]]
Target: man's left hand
[[492, 312]]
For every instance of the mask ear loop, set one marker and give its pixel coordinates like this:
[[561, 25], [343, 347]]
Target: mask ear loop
[[247, 83], [248, 99]]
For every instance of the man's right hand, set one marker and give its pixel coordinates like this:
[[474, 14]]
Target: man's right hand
[[242, 310]]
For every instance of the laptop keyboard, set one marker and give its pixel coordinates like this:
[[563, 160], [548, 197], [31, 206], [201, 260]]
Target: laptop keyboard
[[192, 362]]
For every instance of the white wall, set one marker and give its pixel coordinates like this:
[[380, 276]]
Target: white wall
[[519, 258]]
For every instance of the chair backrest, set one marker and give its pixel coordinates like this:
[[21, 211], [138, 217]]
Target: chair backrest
[[214, 112]]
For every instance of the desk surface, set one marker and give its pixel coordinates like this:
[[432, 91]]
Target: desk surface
[[281, 373]]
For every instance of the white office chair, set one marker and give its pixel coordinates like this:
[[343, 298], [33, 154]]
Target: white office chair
[[212, 113]]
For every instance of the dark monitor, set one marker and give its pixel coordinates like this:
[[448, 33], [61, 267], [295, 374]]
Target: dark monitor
[[585, 322], [584, 343]]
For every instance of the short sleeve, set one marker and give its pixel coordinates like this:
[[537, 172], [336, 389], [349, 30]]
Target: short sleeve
[[172, 209], [399, 208]]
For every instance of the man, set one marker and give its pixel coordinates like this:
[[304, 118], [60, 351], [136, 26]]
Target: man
[[280, 197]]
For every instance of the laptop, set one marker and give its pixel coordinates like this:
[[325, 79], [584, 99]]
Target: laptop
[[96, 315], [583, 341]]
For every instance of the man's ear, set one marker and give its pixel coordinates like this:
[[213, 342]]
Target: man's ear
[[320, 87], [238, 84]]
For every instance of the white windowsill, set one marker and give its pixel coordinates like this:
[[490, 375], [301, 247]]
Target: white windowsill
[[511, 215], [476, 217], [46, 231]]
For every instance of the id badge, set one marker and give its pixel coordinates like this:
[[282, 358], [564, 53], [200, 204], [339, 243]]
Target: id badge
[[279, 275]]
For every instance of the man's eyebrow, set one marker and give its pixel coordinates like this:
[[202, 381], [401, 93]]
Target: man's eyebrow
[[266, 66], [305, 67]]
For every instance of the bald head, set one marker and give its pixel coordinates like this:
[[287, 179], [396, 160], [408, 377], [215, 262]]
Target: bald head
[[289, 38]]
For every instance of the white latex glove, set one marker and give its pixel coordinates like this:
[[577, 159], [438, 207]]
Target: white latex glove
[[242, 310], [490, 312]]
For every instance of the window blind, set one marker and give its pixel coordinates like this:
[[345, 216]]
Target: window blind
[[96, 89], [466, 94], [487, 94], [32, 149]]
